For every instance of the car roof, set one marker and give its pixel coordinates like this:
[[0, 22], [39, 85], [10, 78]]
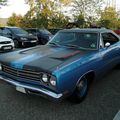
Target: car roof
[[95, 30], [9, 27], [36, 29]]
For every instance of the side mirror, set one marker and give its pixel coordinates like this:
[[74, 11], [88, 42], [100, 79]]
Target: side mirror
[[107, 44]]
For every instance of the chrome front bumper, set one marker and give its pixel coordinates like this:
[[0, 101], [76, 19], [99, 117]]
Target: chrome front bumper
[[31, 87]]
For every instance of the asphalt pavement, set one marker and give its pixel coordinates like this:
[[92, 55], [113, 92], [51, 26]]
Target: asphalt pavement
[[102, 103]]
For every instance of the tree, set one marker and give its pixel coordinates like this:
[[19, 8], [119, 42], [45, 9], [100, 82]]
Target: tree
[[58, 20], [3, 2], [15, 20], [87, 8], [109, 18], [79, 20], [46, 13]]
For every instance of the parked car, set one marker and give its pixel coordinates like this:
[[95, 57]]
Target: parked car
[[43, 35], [117, 32], [20, 37], [65, 66], [54, 30], [6, 44]]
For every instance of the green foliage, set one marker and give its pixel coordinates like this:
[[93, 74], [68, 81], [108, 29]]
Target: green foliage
[[109, 18], [87, 7], [58, 21], [3, 2], [45, 14], [105, 23], [86, 11], [15, 20], [80, 20], [49, 14]]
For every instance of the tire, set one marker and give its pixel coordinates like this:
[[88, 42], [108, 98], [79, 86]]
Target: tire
[[16, 43], [43, 42], [81, 91], [117, 67]]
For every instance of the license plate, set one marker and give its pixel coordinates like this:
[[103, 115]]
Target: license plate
[[20, 89], [7, 48], [33, 41]]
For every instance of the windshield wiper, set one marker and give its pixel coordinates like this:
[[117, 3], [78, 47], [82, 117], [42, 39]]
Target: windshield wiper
[[72, 46]]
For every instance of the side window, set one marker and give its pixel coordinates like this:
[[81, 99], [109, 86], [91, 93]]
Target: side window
[[6, 31], [34, 32], [109, 37]]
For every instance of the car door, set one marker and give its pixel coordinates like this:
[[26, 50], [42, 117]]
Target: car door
[[110, 54]]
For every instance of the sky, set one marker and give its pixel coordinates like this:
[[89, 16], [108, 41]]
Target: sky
[[19, 7], [14, 6]]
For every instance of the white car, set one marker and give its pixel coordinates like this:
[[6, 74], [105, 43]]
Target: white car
[[6, 44]]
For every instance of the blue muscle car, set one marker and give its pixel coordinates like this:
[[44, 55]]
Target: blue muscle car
[[65, 66]]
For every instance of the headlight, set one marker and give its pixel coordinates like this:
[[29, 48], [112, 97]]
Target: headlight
[[45, 78], [12, 41], [22, 38], [53, 81], [49, 79]]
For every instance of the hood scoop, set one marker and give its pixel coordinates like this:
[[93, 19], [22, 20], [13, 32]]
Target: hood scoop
[[67, 56]]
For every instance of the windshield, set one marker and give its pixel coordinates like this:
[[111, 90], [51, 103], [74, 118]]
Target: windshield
[[76, 39], [44, 31], [18, 31]]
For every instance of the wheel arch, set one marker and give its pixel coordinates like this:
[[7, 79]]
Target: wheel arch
[[90, 75], [74, 96]]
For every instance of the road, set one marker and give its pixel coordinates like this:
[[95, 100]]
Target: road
[[102, 103]]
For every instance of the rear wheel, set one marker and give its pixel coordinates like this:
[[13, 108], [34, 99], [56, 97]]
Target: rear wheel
[[80, 91]]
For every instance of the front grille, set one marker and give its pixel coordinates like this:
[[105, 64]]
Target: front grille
[[32, 39], [5, 42], [22, 73]]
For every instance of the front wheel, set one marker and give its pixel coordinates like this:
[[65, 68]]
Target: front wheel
[[81, 90], [16, 43], [43, 42]]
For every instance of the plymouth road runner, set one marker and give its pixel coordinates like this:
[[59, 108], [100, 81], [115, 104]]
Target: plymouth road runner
[[65, 66]]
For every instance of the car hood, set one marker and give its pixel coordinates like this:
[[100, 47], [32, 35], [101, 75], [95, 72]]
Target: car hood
[[2, 39], [42, 58], [26, 35]]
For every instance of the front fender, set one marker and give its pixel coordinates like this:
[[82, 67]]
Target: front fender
[[68, 79]]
